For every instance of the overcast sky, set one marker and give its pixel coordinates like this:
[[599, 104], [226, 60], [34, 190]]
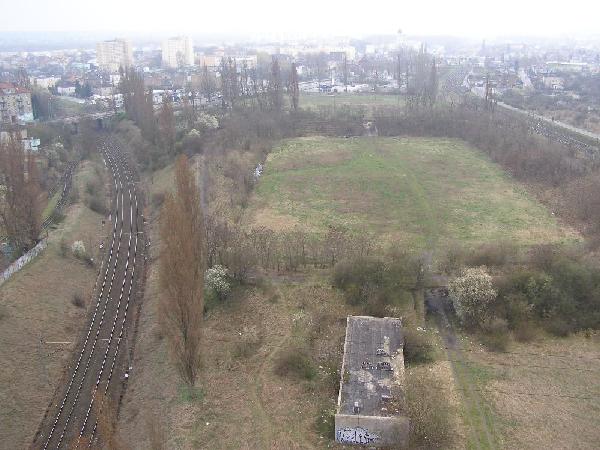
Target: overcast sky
[[474, 18]]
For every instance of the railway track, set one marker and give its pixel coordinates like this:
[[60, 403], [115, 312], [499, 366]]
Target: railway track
[[66, 182], [100, 366]]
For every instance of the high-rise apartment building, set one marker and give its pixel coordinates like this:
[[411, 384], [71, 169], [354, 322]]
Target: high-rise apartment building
[[111, 55], [178, 52]]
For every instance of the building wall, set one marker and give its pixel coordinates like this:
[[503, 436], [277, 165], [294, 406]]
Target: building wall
[[15, 108], [372, 431]]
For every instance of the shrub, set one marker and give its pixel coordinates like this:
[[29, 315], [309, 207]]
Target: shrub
[[418, 349], [471, 294], [63, 248], [216, 279], [491, 255], [77, 300], [295, 363], [97, 203], [525, 332], [496, 335], [158, 199], [78, 249], [559, 327]]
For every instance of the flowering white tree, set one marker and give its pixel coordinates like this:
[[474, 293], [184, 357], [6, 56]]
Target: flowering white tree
[[471, 294], [216, 279], [78, 249], [207, 121]]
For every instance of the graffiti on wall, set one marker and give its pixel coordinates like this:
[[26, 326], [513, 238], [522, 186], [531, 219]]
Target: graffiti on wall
[[356, 435]]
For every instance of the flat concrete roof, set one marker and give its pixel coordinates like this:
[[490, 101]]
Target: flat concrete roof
[[364, 375]]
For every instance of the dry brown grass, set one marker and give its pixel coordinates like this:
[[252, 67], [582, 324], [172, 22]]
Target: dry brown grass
[[37, 305], [245, 404], [545, 394]]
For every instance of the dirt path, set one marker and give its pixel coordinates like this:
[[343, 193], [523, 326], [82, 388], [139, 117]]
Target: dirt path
[[481, 427]]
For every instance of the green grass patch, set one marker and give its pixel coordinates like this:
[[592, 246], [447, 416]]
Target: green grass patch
[[420, 192], [367, 100], [190, 394]]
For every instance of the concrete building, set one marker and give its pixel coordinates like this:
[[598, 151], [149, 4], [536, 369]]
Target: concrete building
[[15, 104], [370, 408], [178, 52], [111, 55]]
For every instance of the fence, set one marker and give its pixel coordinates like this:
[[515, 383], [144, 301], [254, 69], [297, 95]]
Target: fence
[[19, 263]]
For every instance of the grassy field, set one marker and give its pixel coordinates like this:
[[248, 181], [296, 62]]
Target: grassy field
[[418, 192], [36, 307], [314, 101], [544, 394]]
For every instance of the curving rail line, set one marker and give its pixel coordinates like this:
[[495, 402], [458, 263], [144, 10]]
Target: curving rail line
[[72, 412]]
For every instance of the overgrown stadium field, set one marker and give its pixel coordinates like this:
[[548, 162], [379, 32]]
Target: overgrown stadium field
[[419, 192]]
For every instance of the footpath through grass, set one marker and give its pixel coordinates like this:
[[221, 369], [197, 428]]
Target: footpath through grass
[[420, 192]]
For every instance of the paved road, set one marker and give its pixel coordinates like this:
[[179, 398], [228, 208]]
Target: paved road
[[100, 363]]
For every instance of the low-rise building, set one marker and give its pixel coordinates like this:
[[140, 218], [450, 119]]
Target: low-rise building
[[554, 83], [15, 104], [370, 409]]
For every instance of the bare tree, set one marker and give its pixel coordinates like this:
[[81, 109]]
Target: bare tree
[[275, 88], [20, 212], [166, 126], [294, 90], [182, 271], [208, 84]]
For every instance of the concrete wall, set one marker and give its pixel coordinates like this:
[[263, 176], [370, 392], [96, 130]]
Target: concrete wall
[[372, 431]]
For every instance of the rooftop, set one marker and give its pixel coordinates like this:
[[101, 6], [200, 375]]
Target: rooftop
[[372, 360]]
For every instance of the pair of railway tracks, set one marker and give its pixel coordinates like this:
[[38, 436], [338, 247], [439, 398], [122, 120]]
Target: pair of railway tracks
[[100, 368]]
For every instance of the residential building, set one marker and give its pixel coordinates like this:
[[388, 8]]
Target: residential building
[[111, 55], [15, 104], [178, 52], [29, 144]]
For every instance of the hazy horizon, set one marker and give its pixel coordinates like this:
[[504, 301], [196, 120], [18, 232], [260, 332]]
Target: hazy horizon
[[462, 18]]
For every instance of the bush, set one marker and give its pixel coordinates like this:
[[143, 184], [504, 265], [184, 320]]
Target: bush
[[429, 413], [77, 300], [491, 255], [78, 249], [97, 203], [216, 279], [295, 363], [418, 349], [559, 327], [496, 335], [471, 294], [525, 332], [158, 199], [63, 248]]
